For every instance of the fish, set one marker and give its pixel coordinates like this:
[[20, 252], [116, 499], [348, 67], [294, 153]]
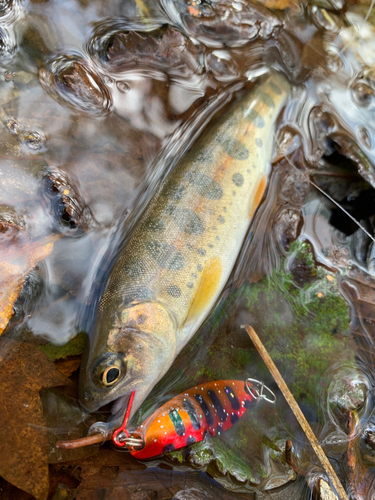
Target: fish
[[211, 408], [177, 261]]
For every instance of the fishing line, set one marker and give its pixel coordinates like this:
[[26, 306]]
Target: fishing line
[[343, 209], [370, 9], [328, 196]]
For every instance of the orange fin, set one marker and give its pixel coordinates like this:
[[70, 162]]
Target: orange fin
[[207, 289]]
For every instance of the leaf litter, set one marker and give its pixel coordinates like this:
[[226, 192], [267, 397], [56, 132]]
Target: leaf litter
[[24, 371]]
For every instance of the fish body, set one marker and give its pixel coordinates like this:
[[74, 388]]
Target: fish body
[[182, 251], [211, 408]]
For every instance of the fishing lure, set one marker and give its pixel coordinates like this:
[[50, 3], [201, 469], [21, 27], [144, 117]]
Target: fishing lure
[[210, 408]]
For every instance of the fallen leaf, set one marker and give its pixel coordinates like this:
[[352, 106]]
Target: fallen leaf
[[16, 261], [24, 371], [293, 5]]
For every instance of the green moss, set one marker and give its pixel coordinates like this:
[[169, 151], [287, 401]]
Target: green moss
[[74, 347]]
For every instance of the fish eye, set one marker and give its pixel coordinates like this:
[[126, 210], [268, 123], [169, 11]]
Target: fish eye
[[110, 375], [363, 93], [109, 369]]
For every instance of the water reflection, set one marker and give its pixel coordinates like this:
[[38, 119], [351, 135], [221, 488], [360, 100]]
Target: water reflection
[[91, 93]]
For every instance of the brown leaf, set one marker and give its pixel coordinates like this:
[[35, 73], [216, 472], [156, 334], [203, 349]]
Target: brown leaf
[[16, 261], [24, 371], [293, 5]]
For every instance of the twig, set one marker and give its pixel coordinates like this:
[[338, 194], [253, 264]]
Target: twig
[[298, 413], [79, 443], [289, 457]]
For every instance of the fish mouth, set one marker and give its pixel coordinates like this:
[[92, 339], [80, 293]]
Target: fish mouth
[[120, 404]]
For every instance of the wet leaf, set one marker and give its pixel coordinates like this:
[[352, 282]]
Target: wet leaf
[[15, 263], [292, 5], [24, 371]]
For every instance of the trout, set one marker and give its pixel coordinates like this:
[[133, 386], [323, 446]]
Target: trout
[[178, 259]]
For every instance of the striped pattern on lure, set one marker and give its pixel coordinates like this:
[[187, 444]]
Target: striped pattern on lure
[[184, 420], [179, 257]]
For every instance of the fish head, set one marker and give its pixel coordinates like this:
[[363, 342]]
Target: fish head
[[132, 354]]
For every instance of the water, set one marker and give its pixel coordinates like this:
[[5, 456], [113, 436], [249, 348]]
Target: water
[[99, 100]]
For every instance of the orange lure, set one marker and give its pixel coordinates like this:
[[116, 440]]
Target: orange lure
[[208, 408]]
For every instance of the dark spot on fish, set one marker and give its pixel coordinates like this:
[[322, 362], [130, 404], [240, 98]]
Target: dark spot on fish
[[174, 291], [190, 410], [199, 268], [186, 220], [205, 157], [140, 294], [210, 245], [155, 224], [206, 187], [238, 179], [194, 275], [177, 422], [232, 398], [259, 142], [168, 447], [275, 88], [134, 268], [202, 403], [217, 405], [255, 119], [173, 190], [166, 255], [141, 319], [266, 98], [190, 440], [234, 148], [225, 209], [214, 228], [221, 219], [190, 284], [201, 252], [234, 418]]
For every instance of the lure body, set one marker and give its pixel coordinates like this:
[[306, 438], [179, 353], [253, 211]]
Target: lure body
[[212, 407], [181, 253]]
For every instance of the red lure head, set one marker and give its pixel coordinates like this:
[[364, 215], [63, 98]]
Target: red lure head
[[207, 408]]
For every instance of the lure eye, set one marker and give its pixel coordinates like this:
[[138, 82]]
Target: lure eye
[[110, 376], [363, 94]]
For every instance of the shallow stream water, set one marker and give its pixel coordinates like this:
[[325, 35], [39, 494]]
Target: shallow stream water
[[98, 102]]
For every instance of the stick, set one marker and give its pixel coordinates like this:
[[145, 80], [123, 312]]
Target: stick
[[297, 412], [79, 443]]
